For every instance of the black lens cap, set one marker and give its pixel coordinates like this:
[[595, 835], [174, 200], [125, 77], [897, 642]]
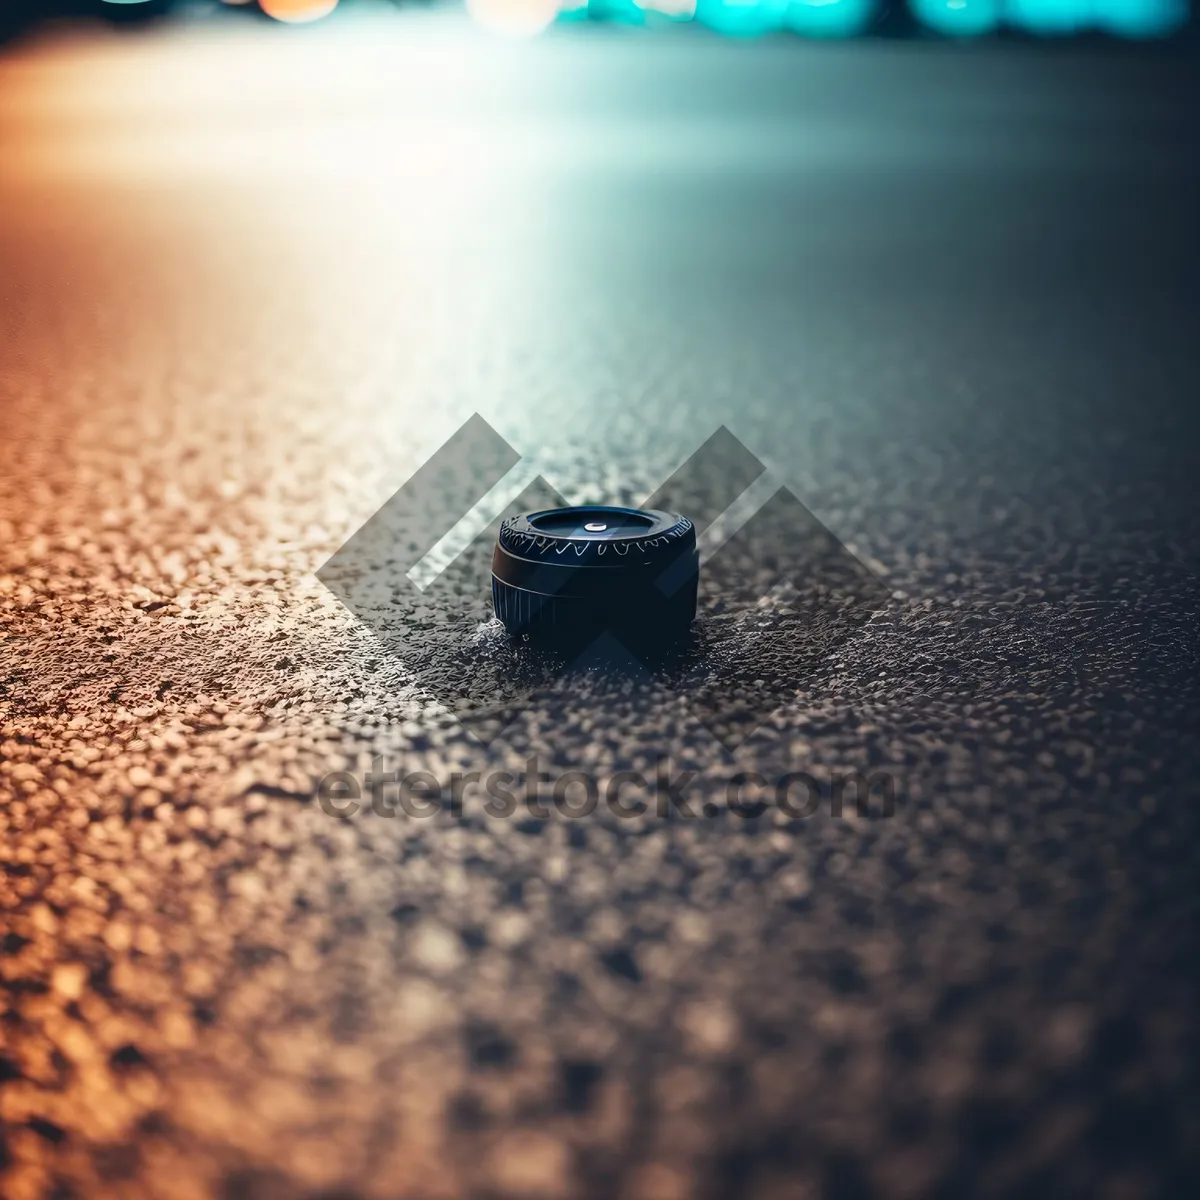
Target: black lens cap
[[564, 575]]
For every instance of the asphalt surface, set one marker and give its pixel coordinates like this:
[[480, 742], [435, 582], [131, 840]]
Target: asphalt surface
[[252, 279]]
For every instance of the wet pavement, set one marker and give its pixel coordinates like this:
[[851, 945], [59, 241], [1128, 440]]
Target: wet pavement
[[250, 283]]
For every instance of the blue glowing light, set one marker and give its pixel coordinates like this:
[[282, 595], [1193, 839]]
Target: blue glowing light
[[1050, 18], [668, 10], [829, 18], [1141, 18], [626, 12], [742, 18], [958, 18]]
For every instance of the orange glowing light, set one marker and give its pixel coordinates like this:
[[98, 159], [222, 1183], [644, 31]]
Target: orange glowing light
[[295, 12], [514, 18]]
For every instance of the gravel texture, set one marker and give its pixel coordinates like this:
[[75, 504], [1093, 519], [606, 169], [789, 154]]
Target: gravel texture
[[946, 297]]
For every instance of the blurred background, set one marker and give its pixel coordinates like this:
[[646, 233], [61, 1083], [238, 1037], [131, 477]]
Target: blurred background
[[1057, 19]]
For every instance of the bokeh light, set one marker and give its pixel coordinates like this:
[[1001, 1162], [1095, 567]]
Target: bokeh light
[[1142, 18], [1125, 19], [675, 10], [741, 18], [1050, 18], [829, 18], [514, 18], [625, 12], [958, 18], [297, 12]]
